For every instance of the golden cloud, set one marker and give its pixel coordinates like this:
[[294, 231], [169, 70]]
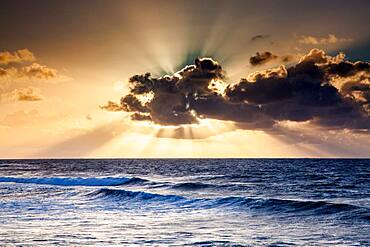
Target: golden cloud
[[19, 70], [331, 39], [19, 56], [23, 94]]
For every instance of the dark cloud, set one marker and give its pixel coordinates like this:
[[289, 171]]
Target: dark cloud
[[262, 58], [287, 58], [260, 37], [325, 90], [345, 68], [140, 117], [170, 95], [112, 106], [266, 57]]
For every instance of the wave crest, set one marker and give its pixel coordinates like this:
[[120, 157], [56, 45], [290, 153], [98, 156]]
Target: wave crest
[[191, 186], [137, 195], [268, 205], [78, 181]]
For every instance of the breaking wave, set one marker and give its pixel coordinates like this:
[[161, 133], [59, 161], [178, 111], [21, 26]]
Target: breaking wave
[[271, 205]]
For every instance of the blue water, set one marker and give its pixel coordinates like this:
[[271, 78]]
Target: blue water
[[189, 202]]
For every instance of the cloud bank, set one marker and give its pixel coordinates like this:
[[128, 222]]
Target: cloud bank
[[325, 90], [18, 71], [331, 39]]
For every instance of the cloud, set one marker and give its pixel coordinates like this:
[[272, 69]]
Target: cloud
[[266, 57], [19, 56], [3, 72], [111, 106], [33, 72], [18, 71], [324, 90], [38, 71], [22, 94], [22, 65], [169, 102], [331, 39], [262, 58], [287, 58], [260, 37]]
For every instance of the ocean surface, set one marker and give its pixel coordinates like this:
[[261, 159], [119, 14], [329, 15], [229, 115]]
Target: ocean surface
[[185, 202]]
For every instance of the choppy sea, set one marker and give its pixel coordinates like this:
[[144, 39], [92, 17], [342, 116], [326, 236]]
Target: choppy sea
[[185, 202]]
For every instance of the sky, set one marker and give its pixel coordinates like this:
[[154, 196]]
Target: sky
[[171, 79]]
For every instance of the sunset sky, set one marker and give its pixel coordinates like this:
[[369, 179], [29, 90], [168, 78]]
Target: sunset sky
[[244, 78]]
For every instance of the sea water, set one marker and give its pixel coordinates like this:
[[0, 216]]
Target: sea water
[[185, 202]]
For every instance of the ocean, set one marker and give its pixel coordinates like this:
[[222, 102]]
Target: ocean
[[185, 202]]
